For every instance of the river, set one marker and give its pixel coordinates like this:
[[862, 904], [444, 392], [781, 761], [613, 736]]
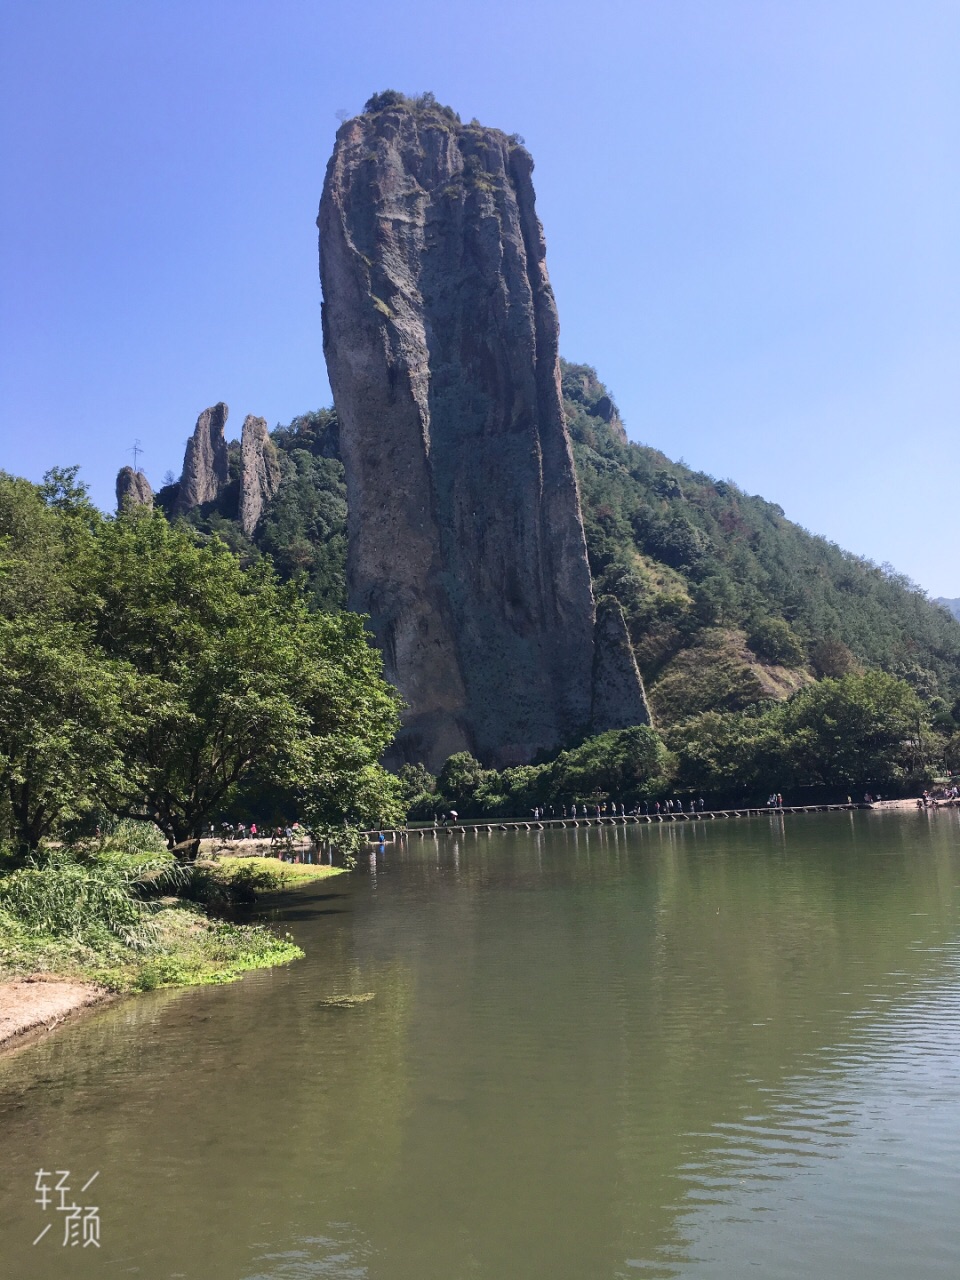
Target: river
[[703, 1050]]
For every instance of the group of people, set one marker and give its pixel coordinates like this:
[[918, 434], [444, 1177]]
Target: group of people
[[674, 806], [945, 795], [608, 810], [240, 831], [613, 809]]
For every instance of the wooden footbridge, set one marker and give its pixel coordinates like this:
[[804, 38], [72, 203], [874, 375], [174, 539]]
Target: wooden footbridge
[[487, 827]]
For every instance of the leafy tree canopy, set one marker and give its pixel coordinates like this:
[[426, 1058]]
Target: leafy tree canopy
[[143, 668]]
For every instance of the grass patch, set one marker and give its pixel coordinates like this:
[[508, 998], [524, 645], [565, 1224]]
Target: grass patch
[[267, 875], [193, 950], [187, 949], [98, 915]]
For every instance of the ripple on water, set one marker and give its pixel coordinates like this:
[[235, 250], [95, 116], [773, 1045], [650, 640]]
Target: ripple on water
[[856, 1152], [703, 1056]]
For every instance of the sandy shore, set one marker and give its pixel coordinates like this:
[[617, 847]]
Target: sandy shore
[[34, 1004]]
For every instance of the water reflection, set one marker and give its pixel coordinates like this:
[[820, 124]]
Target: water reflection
[[678, 1049]]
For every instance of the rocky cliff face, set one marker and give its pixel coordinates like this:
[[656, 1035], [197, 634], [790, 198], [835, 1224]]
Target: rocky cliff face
[[466, 545], [619, 700], [259, 472], [205, 463], [133, 489]]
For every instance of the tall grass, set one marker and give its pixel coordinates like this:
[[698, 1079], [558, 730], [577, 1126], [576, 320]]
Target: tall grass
[[135, 836], [64, 895], [98, 910]]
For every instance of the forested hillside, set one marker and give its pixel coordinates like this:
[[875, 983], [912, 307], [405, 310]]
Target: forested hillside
[[727, 601], [729, 604]]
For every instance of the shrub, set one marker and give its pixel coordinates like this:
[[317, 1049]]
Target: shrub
[[67, 896], [776, 641], [387, 98]]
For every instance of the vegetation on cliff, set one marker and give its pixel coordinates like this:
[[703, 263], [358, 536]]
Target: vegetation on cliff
[[686, 555], [710, 579]]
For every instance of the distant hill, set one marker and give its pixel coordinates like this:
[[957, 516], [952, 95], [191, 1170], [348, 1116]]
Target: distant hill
[[728, 603], [952, 605]]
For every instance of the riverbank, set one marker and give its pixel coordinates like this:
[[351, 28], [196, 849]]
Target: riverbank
[[41, 1003], [48, 975]]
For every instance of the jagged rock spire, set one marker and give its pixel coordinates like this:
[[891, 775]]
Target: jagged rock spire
[[133, 489], [205, 463], [466, 544], [259, 472]]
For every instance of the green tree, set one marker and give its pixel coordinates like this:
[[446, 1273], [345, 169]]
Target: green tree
[[627, 764], [238, 685], [951, 753], [32, 551], [831, 657], [459, 777], [867, 727], [62, 702], [415, 780], [62, 490], [724, 751], [776, 641], [63, 711], [144, 670]]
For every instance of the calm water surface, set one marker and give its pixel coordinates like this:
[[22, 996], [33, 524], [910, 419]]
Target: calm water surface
[[708, 1050]]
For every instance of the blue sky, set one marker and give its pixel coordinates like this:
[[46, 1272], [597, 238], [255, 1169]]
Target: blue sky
[[752, 212]]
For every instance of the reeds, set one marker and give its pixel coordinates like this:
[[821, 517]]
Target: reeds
[[63, 894]]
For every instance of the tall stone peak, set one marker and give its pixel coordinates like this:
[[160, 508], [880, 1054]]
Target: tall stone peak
[[133, 489], [205, 463], [259, 472], [466, 543]]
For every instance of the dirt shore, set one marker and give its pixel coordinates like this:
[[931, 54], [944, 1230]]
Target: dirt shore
[[40, 1004], [910, 804]]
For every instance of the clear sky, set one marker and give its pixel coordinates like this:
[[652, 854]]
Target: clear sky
[[752, 212]]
